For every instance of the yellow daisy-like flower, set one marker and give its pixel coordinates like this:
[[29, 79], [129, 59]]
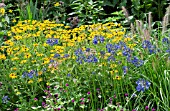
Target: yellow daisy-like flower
[[23, 61], [24, 49], [33, 61], [35, 45], [2, 56], [18, 93], [117, 78], [10, 11], [14, 68], [15, 58], [14, 20], [57, 4], [40, 73], [13, 75], [27, 55], [2, 11], [30, 81], [47, 83], [39, 79]]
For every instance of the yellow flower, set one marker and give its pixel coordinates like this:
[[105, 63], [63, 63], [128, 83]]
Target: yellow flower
[[113, 65], [47, 83], [27, 55], [33, 61], [2, 56], [45, 44], [40, 73], [14, 20], [9, 42], [35, 45], [13, 75], [14, 68], [24, 49], [2, 11], [117, 78], [23, 61], [30, 81], [10, 11], [127, 39], [114, 71], [15, 58], [39, 79], [40, 55], [57, 4], [119, 53], [18, 93]]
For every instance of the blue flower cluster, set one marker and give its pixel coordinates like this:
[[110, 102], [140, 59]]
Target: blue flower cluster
[[57, 55], [148, 45], [81, 56], [166, 43], [142, 85], [96, 39], [125, 69], [52, 41], [126, 51], [137, 62], [30, 74], [5, 99]]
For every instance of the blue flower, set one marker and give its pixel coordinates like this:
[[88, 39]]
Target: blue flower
[[101, 39], [165, 40], [126, 51], [87, 49], [66, 55], [109, 47], [152, 49], [80, 59], [125, 69], [24, 75], [91, 58], [68, 75], [51, 61], [29, 74], [52, 41], [102, 53], [136, 61], [146, 44], [168, 50], [95, 40], [142, 85], [98, 38], [5, 99], [56, 55], [78, 52], [111, 58]]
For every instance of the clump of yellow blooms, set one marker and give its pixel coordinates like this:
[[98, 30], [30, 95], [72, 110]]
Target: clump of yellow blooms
[[28, 46], [2, 11]]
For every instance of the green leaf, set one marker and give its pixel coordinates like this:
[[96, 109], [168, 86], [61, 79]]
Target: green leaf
[[0, 24], [90, 2], [7, 19]]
